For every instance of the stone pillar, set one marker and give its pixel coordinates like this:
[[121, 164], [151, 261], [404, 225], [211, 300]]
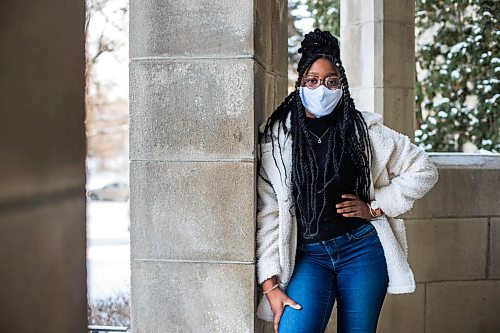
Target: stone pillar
[[203, 74], [378, 52], [42, 169]]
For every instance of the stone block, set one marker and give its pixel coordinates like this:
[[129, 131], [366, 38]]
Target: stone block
[[462, 190], [403, 313], [463, 307], [263, 36], [447, 249], [192, 297], [359, 11], [355, 12], [270, 91], [192, 210], [379, 53], [388, 101], [396, 99], [279, 37], [359, 66], [43, 274], [170, 28], [469, 161], [494, 262], [192, 110], [399, 56], [367, 99], [281, 90], [264, 94], [398, 10]]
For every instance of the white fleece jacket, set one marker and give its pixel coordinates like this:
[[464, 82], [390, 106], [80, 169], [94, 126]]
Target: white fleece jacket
[[401, 173]]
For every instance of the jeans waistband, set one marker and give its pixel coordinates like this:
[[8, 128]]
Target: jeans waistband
[[339, 240]]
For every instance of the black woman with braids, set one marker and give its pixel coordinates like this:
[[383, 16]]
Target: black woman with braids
[[331, 181]]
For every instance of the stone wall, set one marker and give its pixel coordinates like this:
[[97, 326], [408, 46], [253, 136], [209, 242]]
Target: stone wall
[[42, 170], [203, 74], [453, 236]]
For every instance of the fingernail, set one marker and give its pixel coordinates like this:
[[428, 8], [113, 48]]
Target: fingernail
[[298, 306]]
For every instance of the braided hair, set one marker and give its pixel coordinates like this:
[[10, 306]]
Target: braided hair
[[348, 139]]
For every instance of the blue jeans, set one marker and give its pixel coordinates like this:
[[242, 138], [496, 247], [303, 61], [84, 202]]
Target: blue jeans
[[350, 268]]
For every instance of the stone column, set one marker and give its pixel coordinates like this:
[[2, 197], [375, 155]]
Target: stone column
[[42, 167], [378, 52], [203, 74]]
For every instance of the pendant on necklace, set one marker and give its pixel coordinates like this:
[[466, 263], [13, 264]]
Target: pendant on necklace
[[319, 140]]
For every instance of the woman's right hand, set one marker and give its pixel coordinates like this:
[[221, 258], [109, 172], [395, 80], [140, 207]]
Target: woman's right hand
[[278, 300]]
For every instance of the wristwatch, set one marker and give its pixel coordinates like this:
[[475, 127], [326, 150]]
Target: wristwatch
[[375, 210]]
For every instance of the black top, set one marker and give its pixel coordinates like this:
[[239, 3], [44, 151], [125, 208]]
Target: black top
[[331, 224]]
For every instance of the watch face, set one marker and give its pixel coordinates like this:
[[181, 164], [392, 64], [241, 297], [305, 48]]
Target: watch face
[[374, 205]]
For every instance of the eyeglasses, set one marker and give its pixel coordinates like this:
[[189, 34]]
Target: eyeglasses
[[313, 82]]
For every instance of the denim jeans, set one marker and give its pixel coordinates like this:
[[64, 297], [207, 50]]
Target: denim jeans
[[351, 269]]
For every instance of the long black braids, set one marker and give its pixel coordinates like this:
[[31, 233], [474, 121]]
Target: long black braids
[[348, 137]]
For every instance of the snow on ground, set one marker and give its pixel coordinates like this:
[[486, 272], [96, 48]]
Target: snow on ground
[[108, 245]]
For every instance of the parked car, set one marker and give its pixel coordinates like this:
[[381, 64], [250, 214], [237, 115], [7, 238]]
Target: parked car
[[114, 191]]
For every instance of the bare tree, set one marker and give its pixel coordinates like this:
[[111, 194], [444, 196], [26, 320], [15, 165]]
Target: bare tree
[[106, 30]]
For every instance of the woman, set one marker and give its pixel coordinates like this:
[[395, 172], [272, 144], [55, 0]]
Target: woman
[[331, 180]]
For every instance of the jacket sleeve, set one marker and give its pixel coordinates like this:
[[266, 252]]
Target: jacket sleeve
[[268, 260], [412, 174]]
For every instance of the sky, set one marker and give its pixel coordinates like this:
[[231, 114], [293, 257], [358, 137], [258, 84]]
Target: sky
[[112, 68]]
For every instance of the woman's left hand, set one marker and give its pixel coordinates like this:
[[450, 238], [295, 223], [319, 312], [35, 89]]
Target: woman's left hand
[[353, 207]]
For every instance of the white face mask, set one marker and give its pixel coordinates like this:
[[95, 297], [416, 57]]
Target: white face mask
[[320, 101]]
